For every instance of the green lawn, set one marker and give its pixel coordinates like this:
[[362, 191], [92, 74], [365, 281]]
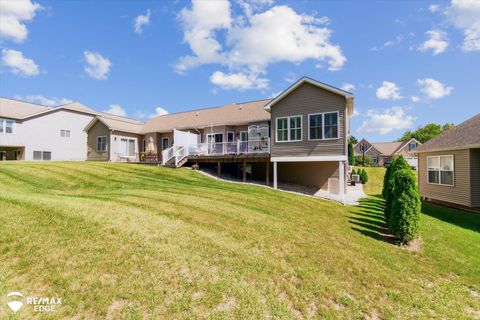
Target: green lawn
[[133, 241]]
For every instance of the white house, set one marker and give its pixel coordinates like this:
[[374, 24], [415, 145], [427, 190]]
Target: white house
[[33, 132]]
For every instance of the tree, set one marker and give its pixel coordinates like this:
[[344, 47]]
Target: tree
[[425, 133], [364, 176], [353, 140], [398, 163], [405, 206], [351, 155]]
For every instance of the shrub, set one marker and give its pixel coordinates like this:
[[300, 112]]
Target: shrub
[[360, 161], [364, 176], [353, 172], [398, 163], [405, 206], [351, 155]]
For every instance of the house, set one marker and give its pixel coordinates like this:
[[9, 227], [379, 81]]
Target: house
[[449, 166], [382, 153], [30, 131], [299, 137]]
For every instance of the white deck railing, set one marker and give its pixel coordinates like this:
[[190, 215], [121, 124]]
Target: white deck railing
[[233, 148]]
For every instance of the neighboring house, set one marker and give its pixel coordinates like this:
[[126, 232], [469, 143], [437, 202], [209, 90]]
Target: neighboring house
[[303, 132], [382, 153], [449, 166], [30, 131]]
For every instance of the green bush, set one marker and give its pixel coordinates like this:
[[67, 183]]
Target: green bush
[[360, 161], [353, 172], [351, 155], [364, 176], [398, 163], [405, 206]]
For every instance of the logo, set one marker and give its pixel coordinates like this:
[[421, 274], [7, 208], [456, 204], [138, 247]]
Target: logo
[[15, 301], [38, 304]]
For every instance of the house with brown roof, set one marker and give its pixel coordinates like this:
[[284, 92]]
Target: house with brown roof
[[382, 153], [30, 131], [300, 137], [449, 166]]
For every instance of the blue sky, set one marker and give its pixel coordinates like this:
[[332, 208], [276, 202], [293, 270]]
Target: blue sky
[[407, 62]]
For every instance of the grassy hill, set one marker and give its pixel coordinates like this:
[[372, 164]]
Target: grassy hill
[[133, 241]]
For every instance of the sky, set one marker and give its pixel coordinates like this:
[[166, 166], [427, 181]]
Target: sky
[[408, 63]]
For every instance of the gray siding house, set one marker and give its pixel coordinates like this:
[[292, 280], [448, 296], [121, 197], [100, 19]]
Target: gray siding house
[[449, 166]]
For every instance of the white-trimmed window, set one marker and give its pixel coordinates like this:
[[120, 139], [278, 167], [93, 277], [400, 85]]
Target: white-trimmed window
[[243, 135], [289, 129], [102, 143], [7, 126], [65, 133], [128, 147], [42, 155], [374, 159], [440, 170], [412, 146], [323, 126]]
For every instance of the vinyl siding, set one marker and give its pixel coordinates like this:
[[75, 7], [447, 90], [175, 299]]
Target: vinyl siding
[[98, 129], [457, 194], [475, 176], [304, 100]]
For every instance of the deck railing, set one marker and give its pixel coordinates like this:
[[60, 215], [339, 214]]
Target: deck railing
[[233, 148]]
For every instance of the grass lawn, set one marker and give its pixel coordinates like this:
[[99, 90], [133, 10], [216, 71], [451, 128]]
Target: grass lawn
[[133, 241]]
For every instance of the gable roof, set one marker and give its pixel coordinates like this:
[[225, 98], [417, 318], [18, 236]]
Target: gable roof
[[233, 113], [346, 94], [118, 123], [387, 148], [16, 109], [463, 136]]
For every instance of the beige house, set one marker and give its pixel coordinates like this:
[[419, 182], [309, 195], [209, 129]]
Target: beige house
[[449, 166], [300, 137], [382, 153]]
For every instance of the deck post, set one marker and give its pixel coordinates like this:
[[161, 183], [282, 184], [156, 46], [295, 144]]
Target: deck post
[[244, 173], [219, 169], [341, 178], [275, 175], [267, 172]]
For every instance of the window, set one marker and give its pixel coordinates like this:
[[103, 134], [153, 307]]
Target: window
[[65, 133], [42, 155], [127, 147], [387, 160], [412, 146], [289, 129], [144, 145], [102, 144], [230, 136], [440, 170], [243, 135], [316, 127], [7, 126], [323, 126], [363, 147], [331, 125], [375, 160]]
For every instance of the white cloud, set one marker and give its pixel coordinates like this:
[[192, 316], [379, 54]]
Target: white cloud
[[390, 43], [388, 91], [18, 64], [159, 111], [97, 66], [247, 44], [141, 21], [40, 99], [13, 14], [437, 42], [387, 121], [415, 98], [465, 15], [433, 8], [291, 77], [116, 109], [348, 87], [433, 89], [238, 80]]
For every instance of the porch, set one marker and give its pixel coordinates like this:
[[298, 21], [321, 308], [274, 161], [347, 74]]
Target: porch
[[12, 153]]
